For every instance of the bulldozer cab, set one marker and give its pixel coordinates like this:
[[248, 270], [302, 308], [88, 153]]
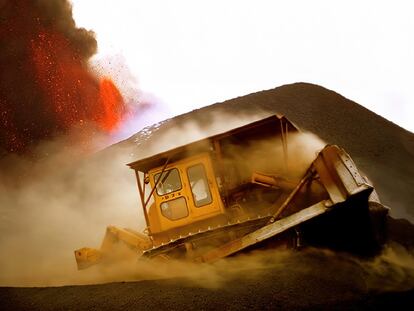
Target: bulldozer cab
[[199, 184], [184, 193]]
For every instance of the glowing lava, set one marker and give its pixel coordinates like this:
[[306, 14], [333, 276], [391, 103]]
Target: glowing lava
[[47, 87], [112, 103], [71, 92]]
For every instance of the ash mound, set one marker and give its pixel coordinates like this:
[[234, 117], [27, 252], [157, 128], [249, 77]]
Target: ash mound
[[381, 149]]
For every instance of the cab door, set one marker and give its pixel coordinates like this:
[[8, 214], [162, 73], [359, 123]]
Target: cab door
[[171, 206], [203, 195]]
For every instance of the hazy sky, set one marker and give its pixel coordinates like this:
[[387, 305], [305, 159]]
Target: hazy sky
[[195, 53]]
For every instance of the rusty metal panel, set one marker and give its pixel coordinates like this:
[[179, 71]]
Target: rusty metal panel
[[339, 174]]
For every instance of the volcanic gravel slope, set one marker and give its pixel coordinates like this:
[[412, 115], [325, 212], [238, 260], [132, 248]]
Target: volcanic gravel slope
[[310, 281], [384, 151], [381, 149]]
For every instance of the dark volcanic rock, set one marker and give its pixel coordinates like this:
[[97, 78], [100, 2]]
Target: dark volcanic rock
[[310, 281], [401, 231]]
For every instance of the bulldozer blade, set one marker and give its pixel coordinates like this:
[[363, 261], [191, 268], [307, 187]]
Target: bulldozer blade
[[86, 257], [134, 241], [266, 232]]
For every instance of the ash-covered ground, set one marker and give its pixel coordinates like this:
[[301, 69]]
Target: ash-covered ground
[[310, 279]]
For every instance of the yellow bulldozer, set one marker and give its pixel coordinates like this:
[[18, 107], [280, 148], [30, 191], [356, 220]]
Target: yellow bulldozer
[[236, 191]]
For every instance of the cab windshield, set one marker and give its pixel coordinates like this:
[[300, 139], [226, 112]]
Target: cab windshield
[[168, 182]]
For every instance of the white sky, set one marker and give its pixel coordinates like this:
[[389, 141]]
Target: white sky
[[195, 53]]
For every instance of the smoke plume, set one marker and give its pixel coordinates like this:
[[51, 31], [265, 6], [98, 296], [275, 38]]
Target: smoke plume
[[46, 87]]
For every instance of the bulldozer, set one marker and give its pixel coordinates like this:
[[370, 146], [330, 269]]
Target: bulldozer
[[236, 191]]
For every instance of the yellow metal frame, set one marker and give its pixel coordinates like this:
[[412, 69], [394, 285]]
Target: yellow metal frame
[[158, 222]]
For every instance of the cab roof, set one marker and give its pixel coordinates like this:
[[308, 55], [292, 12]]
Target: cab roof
[[207, 144]]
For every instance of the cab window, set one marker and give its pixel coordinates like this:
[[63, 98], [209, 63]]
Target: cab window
[[174, 209], [199, 185], [170, 181]]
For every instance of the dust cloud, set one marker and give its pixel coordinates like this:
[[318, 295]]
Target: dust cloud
[[207, 275], [60, 199], [64, 200], [182, 133], [56, 202], [267, 156], [302, 146], [393, 270]]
